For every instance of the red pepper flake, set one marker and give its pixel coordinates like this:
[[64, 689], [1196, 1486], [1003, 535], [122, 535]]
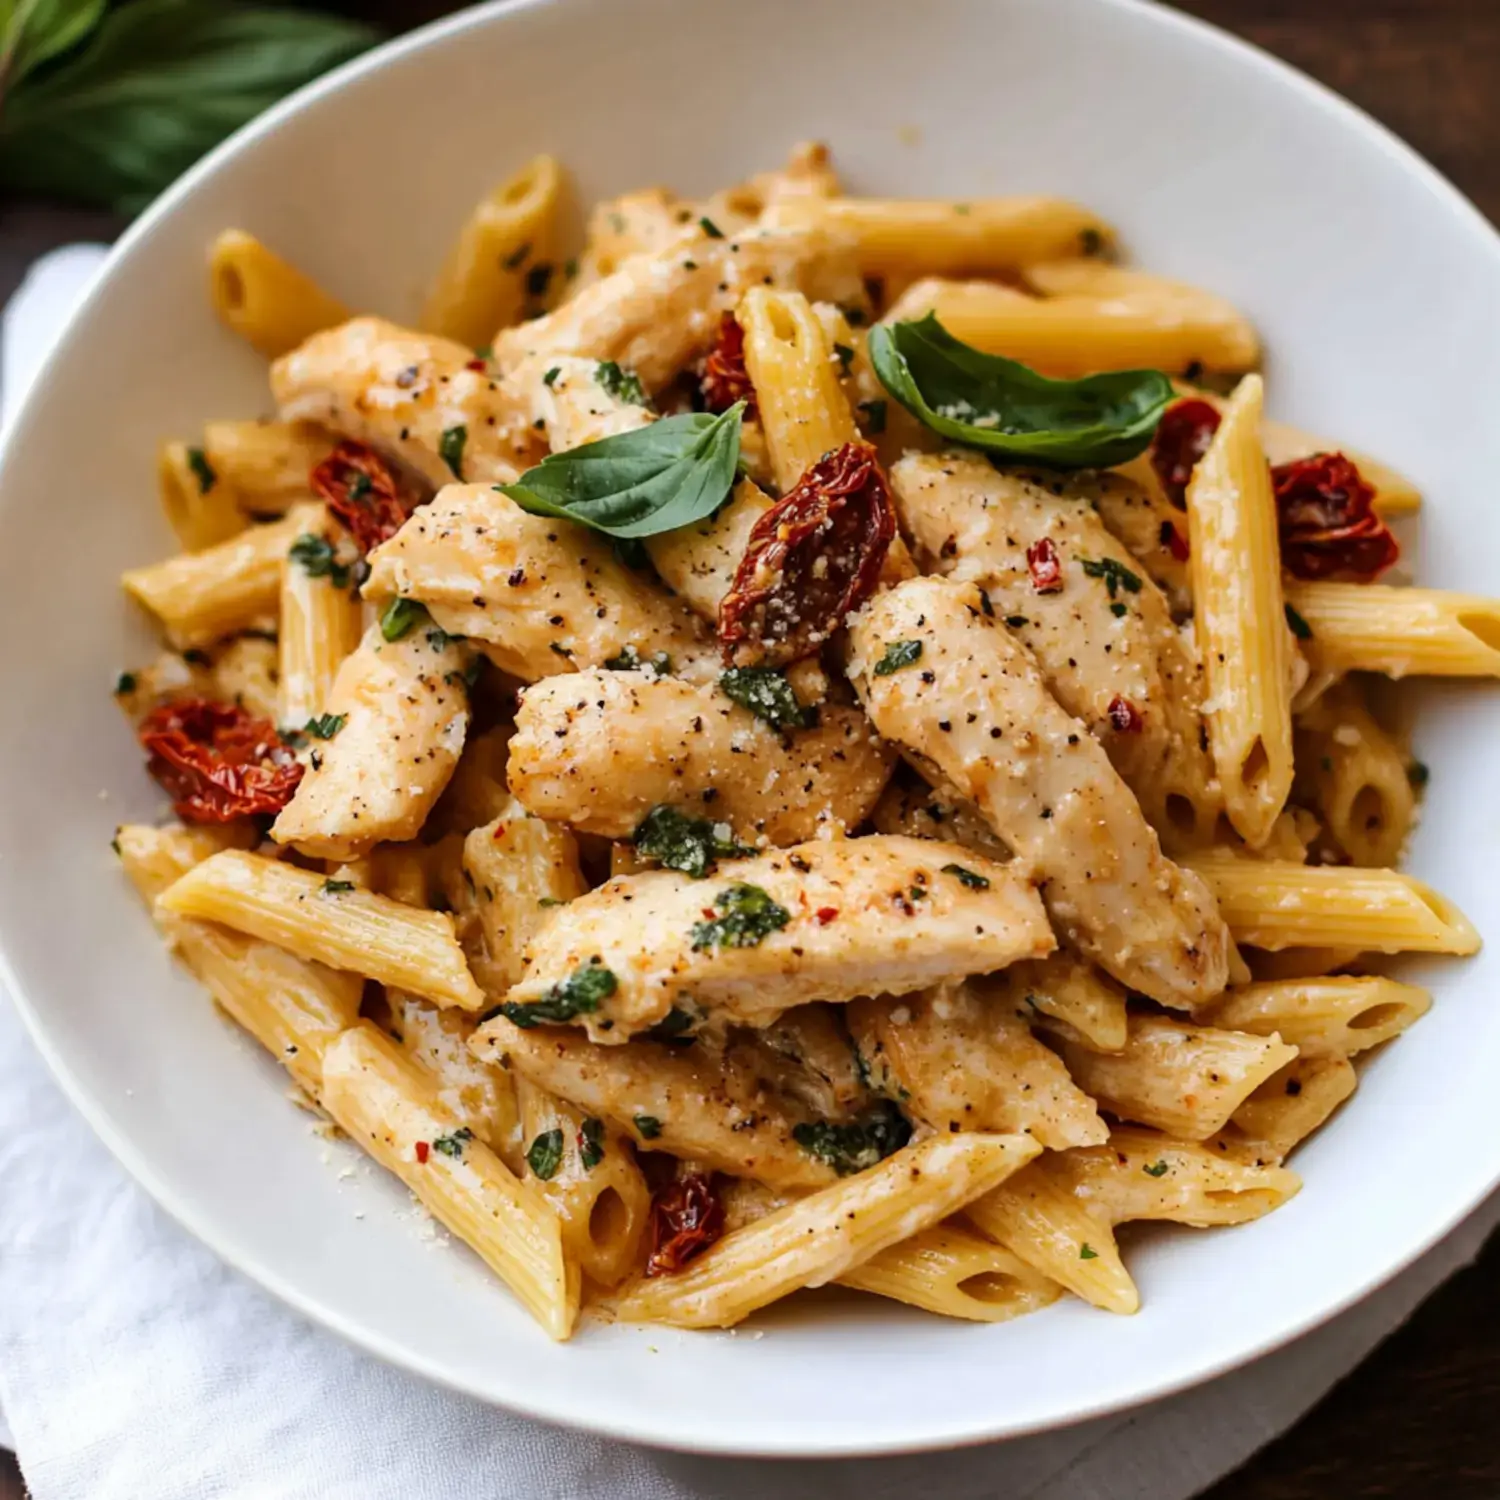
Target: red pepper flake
[[810, 560], [686, 1218], [476, 364], [725, 378], [826, 914], [1124, 716], [1182, 438], [218, 762], [360, 489], [1174, 541], [499, 832], [1325, 510], [1045, 565], [423, 1151]]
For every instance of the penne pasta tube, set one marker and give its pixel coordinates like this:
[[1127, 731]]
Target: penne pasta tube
[[938, 237], [244, 672], [1178, 1077], [822, 1237], [201, 597], [585, 1168], [315, 918], [264, 299], [1240, 618], [503, 258], [319, 629], [1068, 997], [1270, 904], [1286, 1109], [266, 464], [1400, 632], [388, 1106], [1333, 1017], [201, 507]]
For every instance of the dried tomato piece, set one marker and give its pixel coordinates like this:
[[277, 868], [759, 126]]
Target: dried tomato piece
[[810, 560], [218, 762], [1325, 511], [725, 379], [1124, 716], [686, 1218], [1045, 566], [1173, 540], [362, 492], [1182, 438]]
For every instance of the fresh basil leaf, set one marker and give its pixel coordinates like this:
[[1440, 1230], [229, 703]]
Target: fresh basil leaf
[[35, 31], [159, 83], [641, 483], [1006, 408]]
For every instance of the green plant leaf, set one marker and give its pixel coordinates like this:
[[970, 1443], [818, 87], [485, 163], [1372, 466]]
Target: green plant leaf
[[1006, 408], [642, 483], [159, 83], [35, 31]]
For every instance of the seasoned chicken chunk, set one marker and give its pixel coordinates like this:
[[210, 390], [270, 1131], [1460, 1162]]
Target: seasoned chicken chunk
[[1101, 633], [698, 562], [539, 595], [418, 398], [405, 711], [703, 1102], [961, 1060], [662, 308], [820, 921], [599, 750], [574, 400], [950, 684]]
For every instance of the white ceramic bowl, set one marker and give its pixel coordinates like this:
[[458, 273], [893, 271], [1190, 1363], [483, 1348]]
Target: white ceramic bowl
[[1378, 292]]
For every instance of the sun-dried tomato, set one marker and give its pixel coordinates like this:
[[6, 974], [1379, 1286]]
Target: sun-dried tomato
[[218, 762], [725, 378], [810, 560], [1045, 566], [1325, 510], [1173, 540], [686, 1218], [1124, 716], [1182, 438], [362, 492]]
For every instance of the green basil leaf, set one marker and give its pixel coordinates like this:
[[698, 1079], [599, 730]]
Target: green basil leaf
[[35, 31], [641, 483], [1006, 408], [159, 83]]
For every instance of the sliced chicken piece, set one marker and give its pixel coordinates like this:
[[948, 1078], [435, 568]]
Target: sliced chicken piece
[[951, 685]]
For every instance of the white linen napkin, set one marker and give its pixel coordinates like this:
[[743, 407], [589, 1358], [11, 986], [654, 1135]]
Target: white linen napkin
[[133, 1363]]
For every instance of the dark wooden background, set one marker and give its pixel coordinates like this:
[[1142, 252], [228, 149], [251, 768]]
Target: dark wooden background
[[1418, 1419]]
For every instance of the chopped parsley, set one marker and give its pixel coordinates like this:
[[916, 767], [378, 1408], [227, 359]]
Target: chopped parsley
[[1118, 610], [1116, 576], [858, 1146], [453, 1145], [591, 1143], [547, 901], [845, 356], [551, 375], [629, 660], [680, 842], [333, 887], [325, 726], [767, 693], [1156, 1169], [399, 617], [203, 471], [577, 995], [623, 385], [897, 655], [451, 448], [316, 557], [125, 683], [750, 917], [970, 878], [1299, 627], [648, 1127], [1088, 1252], [544, 1155], [874, 413], [1418, 774], [675, 1029], [709, 228]]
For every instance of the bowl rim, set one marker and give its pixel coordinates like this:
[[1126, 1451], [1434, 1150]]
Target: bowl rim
[[654, 1432]]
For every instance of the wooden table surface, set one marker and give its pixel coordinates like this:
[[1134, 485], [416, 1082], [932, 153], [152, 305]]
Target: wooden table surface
[[1417, 1419]]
